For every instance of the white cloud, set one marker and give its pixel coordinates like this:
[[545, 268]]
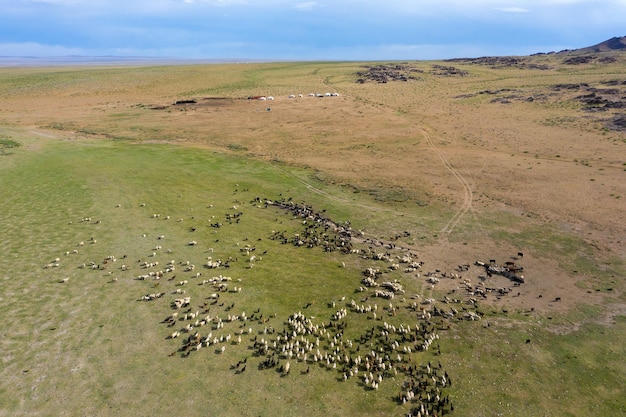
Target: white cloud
[[306, 6], [512, 9]]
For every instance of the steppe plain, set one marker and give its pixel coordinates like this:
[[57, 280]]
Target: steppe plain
[[517, 160]]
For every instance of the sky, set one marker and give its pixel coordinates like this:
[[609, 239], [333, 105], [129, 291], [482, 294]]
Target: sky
[[275, 30]]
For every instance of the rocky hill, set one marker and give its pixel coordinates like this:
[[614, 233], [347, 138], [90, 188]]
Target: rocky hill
[[613, 44]]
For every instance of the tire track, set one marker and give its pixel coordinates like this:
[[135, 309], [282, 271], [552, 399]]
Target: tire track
[[467, 189], [42, 134]]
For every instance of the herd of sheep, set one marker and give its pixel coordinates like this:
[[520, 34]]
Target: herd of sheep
[[202, 298]]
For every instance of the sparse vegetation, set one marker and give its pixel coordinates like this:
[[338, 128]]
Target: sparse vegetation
[[441, 177], [7, 144]]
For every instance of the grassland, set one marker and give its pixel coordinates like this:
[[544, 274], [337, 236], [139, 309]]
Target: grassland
[[435, 166]]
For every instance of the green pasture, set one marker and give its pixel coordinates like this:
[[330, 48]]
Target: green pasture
[[88, 346]]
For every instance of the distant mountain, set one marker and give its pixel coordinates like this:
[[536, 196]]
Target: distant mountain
[[613, 44]]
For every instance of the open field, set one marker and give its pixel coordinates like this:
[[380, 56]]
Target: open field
[[99, 168]]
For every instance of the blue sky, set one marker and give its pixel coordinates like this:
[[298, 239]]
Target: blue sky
[[304, 30]]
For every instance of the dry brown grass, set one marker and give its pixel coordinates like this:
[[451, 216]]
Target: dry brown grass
[[469, 176]]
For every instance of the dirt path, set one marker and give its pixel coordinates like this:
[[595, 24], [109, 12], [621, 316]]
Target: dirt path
[[467, 189], [42, 134]]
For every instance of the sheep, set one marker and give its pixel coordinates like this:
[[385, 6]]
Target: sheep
[[150, 297], [432, 280], [181, 302]]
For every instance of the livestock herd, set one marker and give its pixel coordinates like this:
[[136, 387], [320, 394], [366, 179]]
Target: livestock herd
[[293, 96], [390, 328]]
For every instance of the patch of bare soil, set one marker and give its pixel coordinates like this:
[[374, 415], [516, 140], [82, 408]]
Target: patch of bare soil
[[205, 102], [492, 277], [457, 270]]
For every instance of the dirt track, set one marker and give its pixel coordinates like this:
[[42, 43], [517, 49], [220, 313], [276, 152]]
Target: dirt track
[[467, 189]]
